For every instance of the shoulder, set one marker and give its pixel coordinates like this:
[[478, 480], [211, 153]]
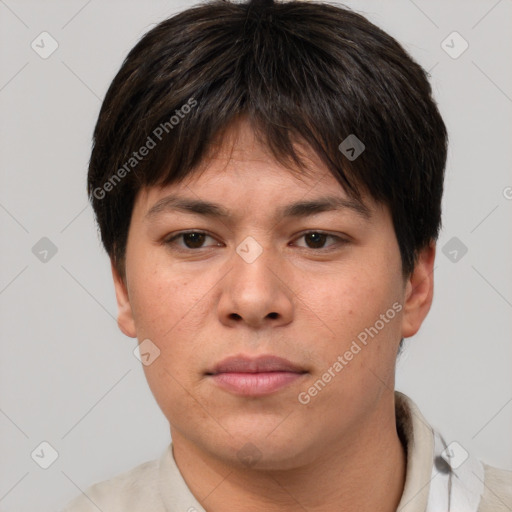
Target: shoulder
[[497, 495], [133, 490]]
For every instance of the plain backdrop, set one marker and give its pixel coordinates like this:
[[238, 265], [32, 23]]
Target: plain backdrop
[[68, 377]]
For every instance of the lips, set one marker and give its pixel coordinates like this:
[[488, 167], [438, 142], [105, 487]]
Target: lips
[[258, 376], [261, 364]]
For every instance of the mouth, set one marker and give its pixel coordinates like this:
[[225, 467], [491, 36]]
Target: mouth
[[258, 376]]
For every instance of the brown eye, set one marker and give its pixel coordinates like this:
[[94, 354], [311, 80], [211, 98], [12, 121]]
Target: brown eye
[[320, 241], [193, 240], [190, 240], [315, 240]]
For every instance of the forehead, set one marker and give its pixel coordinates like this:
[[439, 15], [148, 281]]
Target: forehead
[[240, 169], [241, 148]]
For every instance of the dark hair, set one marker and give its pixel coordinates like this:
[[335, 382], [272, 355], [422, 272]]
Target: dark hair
[[304, 72]]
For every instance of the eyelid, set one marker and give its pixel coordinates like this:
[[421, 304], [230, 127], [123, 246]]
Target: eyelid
[[337, 237], [174, 236], [339, 240]]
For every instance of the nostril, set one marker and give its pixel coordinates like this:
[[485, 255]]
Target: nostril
[[236, 316]]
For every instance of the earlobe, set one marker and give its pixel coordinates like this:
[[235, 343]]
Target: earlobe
[[125, 319], [419, 292]]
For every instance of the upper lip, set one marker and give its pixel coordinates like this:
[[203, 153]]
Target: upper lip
[[264, 363]]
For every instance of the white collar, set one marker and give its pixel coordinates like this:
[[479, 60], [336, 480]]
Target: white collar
[[440, 476]]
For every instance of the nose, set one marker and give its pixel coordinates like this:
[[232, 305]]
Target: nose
[[256, 294]]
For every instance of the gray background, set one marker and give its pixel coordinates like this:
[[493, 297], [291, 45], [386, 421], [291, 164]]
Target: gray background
[[69, 377]]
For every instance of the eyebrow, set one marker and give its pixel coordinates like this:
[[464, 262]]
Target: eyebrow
[[298, 209]]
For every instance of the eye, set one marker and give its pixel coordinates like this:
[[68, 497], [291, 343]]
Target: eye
[[317, 240], [191, 240]]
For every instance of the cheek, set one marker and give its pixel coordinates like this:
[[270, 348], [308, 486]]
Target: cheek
[[167, 308], [350, 297], [162, 297], [350, 304], [171, 307]]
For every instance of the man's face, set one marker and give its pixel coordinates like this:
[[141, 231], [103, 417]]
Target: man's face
[[301, 284]]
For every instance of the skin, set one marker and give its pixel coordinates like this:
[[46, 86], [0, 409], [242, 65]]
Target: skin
[[301, 299]]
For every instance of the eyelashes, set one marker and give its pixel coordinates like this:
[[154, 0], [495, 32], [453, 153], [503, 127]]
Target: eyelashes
[[194, 240]]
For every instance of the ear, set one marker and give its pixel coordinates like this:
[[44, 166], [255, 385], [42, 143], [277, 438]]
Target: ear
[[419, 291], [124, 310]]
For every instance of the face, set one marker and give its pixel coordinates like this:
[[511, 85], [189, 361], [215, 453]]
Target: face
[[277, 304]]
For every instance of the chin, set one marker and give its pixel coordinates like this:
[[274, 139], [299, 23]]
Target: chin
[[263, 457], [263, 449]]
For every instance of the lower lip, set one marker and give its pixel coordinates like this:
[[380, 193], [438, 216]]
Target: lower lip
[[255, 384]]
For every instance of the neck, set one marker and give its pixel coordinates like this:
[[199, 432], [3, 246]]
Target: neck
[[367, 474]]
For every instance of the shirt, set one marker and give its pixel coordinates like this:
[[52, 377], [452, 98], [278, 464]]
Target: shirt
[[439, 477]]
